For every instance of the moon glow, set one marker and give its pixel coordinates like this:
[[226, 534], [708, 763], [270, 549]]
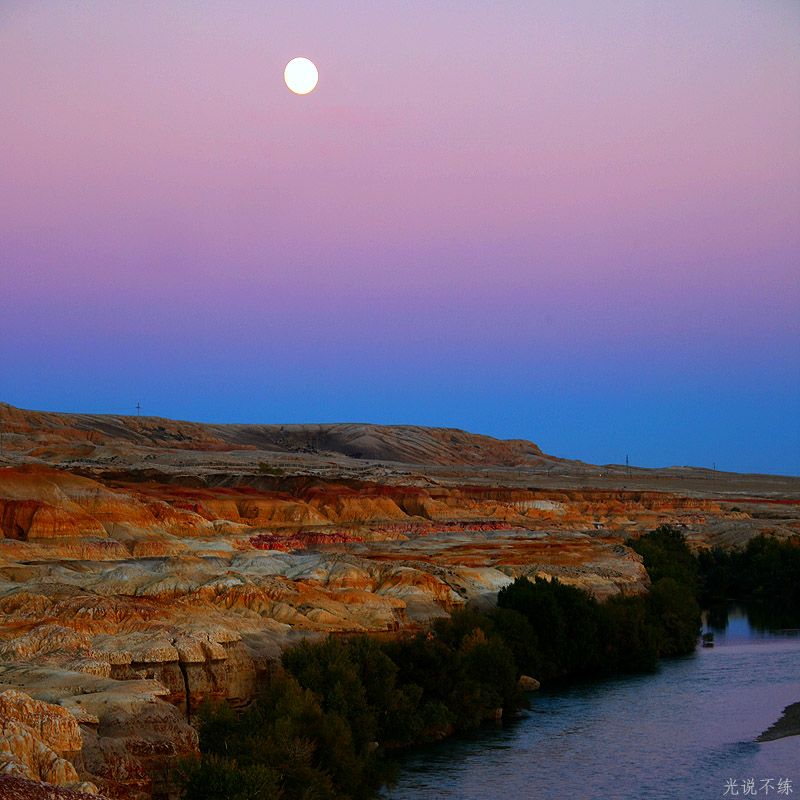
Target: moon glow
[[301, 75]]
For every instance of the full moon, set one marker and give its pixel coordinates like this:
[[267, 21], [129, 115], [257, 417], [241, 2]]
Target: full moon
[[301, 75]]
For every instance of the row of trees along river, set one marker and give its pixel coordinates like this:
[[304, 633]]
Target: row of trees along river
[[330, 723]]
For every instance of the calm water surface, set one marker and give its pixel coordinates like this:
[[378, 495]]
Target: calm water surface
[[681, 732]]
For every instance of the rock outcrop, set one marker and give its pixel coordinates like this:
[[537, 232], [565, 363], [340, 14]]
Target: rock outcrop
[[37, 741]]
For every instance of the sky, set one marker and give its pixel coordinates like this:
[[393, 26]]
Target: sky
[[575, 222]]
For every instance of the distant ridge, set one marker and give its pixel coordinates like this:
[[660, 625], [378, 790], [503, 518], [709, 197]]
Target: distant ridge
[[59, 437]]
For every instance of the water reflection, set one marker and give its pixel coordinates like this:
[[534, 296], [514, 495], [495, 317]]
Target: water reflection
[[735, 622]]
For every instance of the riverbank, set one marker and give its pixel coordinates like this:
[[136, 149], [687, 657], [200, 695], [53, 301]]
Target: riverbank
[[787, 725], [682, 730]]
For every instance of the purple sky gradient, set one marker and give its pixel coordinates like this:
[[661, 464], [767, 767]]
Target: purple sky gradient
[[576, 222]]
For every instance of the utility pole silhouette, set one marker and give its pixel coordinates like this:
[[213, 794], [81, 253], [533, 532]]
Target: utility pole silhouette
[[138, 408], [627, 465]]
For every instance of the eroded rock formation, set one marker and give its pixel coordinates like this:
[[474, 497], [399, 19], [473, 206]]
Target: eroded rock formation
[[147, 565]]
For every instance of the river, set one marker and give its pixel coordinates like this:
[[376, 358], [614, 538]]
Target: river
[[685, 731]]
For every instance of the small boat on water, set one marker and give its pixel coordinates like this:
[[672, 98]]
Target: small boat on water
[[708, 639]]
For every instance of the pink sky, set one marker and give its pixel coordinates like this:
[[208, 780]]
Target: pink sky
[[538, 193]]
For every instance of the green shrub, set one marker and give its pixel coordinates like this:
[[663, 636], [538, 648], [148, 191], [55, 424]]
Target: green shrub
[[667, 555], [564, 621], [215, 778], [676, 615], [312, 753], [267, 469], [765, 575], [629, 638]]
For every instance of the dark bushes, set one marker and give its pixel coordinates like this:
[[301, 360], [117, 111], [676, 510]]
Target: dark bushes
[[561, 630], [765, 575], [666, 555], [288, 746], [321, 728]]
